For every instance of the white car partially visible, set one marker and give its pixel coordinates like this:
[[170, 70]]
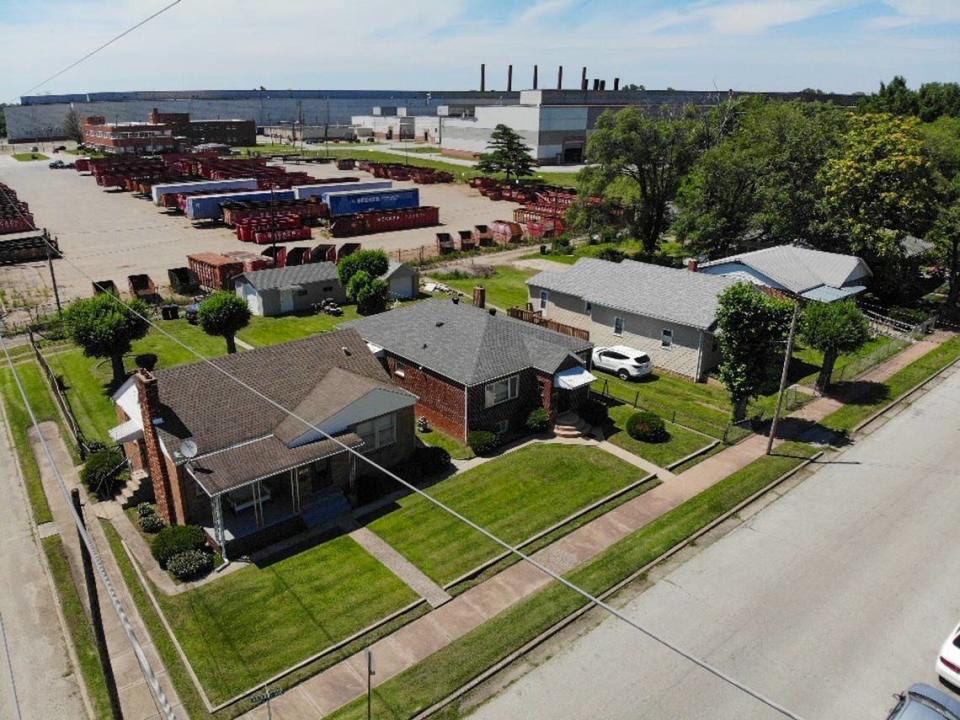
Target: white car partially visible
[[625, 362], [948, 662]]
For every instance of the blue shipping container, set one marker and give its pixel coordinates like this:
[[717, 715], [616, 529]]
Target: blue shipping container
[[307, 191], [365, 201], [207, 207]]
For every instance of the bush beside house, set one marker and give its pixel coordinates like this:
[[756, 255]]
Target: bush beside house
[[538, 420], [175, 540], [102, 474], [482, 442]]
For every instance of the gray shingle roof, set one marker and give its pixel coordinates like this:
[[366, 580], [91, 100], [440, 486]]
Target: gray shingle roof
[[670, 294], [273, 278], [464, 343], [800, 269]]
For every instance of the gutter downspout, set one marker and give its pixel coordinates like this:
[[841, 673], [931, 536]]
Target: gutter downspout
[[699, 356], [466, 402]]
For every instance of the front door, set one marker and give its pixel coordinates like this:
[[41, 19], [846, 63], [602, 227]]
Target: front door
[[286, 301]]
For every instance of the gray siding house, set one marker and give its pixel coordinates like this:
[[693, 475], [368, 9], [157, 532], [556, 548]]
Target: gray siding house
[[668, 313], [279, 291]]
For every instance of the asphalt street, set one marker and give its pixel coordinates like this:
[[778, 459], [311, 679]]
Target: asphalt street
[[829, 600], [42, 684]]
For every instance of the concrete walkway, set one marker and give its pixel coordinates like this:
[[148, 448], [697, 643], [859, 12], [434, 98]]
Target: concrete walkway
[[136, 699], [411, 644], [401, 567]]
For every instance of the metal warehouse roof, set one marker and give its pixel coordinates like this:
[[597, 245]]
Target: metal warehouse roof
[[276, 278], [670, 294], [465, 343]]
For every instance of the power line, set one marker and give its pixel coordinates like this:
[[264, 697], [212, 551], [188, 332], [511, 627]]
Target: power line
[[107, 44], [703, 664]]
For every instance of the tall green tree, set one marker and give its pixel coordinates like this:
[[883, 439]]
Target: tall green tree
[[507, 154], [946, 241], [752, 329], [833, 329], [71, 125], [942, 140], [224, 314], [878, 188], [368, 292], [929, 102], [641, 160], [104, 328], [374, 262]]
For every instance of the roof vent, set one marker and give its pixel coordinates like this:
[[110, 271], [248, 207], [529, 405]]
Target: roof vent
[[456, 300], [439, 323], [346, 351]]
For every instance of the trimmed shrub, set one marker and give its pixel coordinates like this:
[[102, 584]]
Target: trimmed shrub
[[611, 254], [647, 426], [152, 523], [190, 564], [482, 442], [176, 539], [431, 460], [146, 508], [538, 420], [594, 413], [103, 473]]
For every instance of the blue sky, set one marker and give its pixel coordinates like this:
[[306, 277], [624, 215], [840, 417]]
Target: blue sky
[[838, 45]]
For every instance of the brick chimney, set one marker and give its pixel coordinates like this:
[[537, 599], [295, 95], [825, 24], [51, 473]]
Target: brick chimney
[[163, 490], [692, 264], [480, 296]]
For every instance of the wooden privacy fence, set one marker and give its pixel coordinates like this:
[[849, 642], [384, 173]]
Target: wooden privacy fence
[[534, 317], [83, 446]]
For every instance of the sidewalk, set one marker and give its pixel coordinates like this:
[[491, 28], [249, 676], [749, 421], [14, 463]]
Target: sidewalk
[[411, 644], [136, 699]]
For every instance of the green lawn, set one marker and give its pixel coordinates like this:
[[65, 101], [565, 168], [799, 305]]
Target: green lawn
[[514, 496], [581, 251], [458, 450], [19, 420], [505, 288], [682, 442], [249, 625], [29, 156], [273, 330], [873, 398], [449, 669], [848, 366], [81, 634]]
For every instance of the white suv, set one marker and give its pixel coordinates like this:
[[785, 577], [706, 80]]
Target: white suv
[[625, 362]]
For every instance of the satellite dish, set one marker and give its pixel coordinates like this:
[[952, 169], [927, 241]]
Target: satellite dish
[[188, 448]]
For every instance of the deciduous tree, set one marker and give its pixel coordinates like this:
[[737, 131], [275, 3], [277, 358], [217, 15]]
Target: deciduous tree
[[833, 329], [224, 314], [374, 262], [105, 328], [368, 292]]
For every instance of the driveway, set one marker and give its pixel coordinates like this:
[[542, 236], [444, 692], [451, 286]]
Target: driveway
[[45, 684], [830, 600]]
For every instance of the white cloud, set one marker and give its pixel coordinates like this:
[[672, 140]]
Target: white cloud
[[916, 12]]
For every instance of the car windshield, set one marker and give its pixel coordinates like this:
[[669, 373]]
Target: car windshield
[[956, 641], [920, 707]]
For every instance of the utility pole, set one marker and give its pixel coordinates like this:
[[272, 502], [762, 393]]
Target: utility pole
[[95, 618], [783, 376], [273, 221], [53, 277], [371, 671]]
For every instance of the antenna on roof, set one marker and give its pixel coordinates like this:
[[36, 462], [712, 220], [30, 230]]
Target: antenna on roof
[[188, 448]]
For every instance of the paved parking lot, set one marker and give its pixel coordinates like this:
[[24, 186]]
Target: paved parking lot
[[111, 235]]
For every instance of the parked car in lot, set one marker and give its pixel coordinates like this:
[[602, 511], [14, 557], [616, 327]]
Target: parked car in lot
[[56, 165], [948, 661], [923, 702], [625, 362]]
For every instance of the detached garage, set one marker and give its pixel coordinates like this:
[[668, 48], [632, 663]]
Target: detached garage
[[279, 291], [404, 281]]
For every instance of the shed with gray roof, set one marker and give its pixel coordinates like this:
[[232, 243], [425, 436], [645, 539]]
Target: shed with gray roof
[[296, 288], [668, 313]]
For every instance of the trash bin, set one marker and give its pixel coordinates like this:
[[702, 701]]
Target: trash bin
[[543, 249], [170, 312]]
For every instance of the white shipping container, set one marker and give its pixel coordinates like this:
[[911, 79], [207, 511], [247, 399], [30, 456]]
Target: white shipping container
[[195, 185], [305, 191]]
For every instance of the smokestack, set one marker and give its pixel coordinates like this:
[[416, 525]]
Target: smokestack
[[509, 78], [596, 84], [616, 83], [603, 85], [583, 79], [560, 78], [534, 77], [483, 77]]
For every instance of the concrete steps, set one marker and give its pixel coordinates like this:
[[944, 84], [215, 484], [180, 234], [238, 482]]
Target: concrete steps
[[135, 491], [570, 425]]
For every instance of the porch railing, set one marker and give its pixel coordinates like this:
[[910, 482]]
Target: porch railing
[[536, 318]]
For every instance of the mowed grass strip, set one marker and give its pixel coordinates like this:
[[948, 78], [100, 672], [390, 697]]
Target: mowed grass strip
[[882, 394], [78, 625], [273, 330], [682, 442], [250, 625], [506, 288], [514, 497], [458, 450], [445, 671], [19, 421]]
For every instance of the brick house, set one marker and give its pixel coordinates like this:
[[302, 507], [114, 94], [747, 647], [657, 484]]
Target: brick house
[[220, 457], [669, 313], [474, 370]]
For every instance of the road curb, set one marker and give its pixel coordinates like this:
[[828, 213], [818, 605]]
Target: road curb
[[578, 613]]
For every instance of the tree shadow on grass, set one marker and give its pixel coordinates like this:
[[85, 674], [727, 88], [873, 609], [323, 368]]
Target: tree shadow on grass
[[860, 392]]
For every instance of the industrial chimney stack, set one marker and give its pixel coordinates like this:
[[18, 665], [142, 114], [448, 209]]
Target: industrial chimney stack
[[616, 84], [583, 79], [534, 77], [560, 77], [483, 77], [509, 78]]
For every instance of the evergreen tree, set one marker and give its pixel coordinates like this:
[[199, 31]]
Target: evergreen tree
[[507, 154]]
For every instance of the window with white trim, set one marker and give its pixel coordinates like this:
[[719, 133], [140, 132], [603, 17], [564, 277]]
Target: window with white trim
[[379, 432], [544, 296], [618, 326], [666, 338], [501, 390]]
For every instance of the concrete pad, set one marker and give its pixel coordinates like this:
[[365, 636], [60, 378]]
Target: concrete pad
[[127, 670], [327, 691], [457, 617]]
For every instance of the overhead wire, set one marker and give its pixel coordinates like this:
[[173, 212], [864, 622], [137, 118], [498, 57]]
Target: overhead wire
[[703, 664]]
